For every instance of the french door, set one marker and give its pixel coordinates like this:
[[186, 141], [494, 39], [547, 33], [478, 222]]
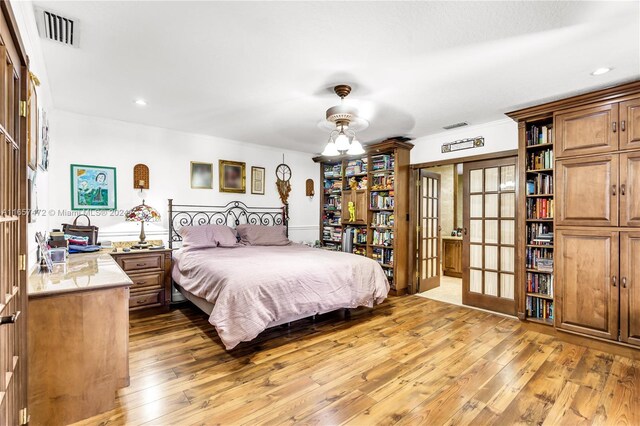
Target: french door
[[428, 231], [490, 235], [13, 168]]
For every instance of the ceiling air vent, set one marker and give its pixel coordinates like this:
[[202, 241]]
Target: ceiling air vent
[[453, 126], [57, 28]]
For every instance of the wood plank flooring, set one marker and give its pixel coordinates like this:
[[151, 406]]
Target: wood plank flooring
[[409, 361]]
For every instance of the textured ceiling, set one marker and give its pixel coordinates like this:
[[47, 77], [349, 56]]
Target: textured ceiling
[[261, 72]]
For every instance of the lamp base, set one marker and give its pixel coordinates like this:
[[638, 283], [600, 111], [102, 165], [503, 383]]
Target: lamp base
[[140, 245]]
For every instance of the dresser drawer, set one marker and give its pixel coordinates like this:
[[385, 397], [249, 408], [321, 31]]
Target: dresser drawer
[[131, 263], [146, 281], [145, 299]]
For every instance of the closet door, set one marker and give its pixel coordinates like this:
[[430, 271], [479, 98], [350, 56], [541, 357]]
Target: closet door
[[429, 231], [630, 189], [630, 287], [489, 242], [630, 124], [587, 280], [581, 131], [587, 191]]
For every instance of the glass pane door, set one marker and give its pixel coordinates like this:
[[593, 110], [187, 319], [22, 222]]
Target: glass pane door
[[489, 240], [429, 231]]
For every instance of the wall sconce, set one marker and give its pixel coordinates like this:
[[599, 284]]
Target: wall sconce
[[309, 188], [141, 178]]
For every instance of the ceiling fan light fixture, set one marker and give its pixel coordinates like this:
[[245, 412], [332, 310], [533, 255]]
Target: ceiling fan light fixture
[[342, 141], [342, 116], [356, 148], [330, 150]]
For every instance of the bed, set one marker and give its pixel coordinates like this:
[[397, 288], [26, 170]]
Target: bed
[[246, 289]]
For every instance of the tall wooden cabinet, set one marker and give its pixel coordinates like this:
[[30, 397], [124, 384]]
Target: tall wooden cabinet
[[597, 215], [377, 185]]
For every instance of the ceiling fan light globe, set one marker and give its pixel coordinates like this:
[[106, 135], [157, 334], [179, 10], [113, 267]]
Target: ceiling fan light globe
[[330, 150], [342, 142], [356, 148]]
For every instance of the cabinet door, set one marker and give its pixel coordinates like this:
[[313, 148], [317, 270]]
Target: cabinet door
[[630, 287], [586, 273], [359, 200], [587, 191], [630, 124], [586, 130], [630, 189]]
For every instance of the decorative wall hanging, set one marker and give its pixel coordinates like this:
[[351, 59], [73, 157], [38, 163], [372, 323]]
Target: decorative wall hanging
[[257, 180], [201, 175], [93, 187], [463, 144], [309, 188], [43, 144], [140, 177], [283, 173], [32, 121], [232, 176]]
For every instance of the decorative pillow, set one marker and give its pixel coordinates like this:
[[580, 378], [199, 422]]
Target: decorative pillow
[[259, 235], [207, 236]]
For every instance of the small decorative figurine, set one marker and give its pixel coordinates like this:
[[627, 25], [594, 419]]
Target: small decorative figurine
[[353, 183], [352, 211]]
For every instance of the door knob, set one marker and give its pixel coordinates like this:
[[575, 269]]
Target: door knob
[[11, 319]]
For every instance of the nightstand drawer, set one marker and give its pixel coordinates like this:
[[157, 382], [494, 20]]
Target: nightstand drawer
[[148, 261], [144, 281], [145, 299]]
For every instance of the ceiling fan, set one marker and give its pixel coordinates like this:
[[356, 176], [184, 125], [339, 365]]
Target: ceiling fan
[[342, 138]]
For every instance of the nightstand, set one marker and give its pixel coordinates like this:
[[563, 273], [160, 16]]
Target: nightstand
[[150, 271]]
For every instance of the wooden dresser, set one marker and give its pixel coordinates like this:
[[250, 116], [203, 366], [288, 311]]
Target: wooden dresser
[[78, 335], [150, 271]]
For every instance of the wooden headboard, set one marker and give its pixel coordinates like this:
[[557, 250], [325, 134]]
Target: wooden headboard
[[233, 214]]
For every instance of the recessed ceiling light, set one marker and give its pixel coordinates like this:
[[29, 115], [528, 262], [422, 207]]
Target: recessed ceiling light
[[601, 71], [141, 102]]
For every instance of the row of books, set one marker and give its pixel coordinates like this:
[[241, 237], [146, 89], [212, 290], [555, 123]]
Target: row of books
[[389, 273], [535, 256], [382, 162], [332, 185], [356, 167], [382, 200], [539, 308], [382, 219], [360, 235], [382, 237], [383, 256], [540, 185], [540, 160], [382, 181], [539, 234], [331, 171], [333, 203], [540, 283], [332, 233], [537, 135], [539, 208]]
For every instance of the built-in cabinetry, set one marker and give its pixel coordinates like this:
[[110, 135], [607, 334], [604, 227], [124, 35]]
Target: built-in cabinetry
[[452, 256], [376, 187], [596, 139]]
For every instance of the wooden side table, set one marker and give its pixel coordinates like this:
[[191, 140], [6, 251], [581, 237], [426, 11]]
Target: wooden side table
[[150, 271]]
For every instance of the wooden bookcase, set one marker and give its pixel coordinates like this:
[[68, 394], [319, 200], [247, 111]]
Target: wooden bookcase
[[380, 194], [536, 141]]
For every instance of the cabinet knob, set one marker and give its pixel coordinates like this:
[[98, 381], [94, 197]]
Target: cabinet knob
[[622, 125], [613, 190], [622, 189], [624, 282], [615, 281], [614, 126]]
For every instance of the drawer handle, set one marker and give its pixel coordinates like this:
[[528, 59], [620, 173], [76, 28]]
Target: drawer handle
[[622, 189], [613, 190], [141, 264], [141, 301], [615, 281], [624, 282], [622, 125], [141, 282], [614, 125]]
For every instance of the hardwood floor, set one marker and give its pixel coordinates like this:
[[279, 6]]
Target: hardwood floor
[[409, 361]]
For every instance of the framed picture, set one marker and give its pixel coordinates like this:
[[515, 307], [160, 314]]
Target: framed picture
[[232, 176], [32, 126], [93, 187], [43, 142], [201, 175], [257, 180]]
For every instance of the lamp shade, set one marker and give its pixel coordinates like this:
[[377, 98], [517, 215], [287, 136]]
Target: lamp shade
[[142, 213], [330, 150], [342, 142], [356, 147]]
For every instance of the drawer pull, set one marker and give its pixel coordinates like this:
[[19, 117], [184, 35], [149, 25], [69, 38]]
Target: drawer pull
[[614, 125], [141, 282], [141, 301], [622, 189], [141, 264], [624, 282], [615, 281], [622, 125], [613, 190]]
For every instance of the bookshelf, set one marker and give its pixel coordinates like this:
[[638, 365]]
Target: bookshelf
[[536, 140], [378, 185]]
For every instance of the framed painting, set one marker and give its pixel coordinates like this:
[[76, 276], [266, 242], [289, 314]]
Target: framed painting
[[32, 126], [93, 187], [232, 176], [257, 180], [201, 175]]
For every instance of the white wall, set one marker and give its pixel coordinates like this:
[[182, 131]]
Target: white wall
[[501, 135], [97, 141], [24, 14]]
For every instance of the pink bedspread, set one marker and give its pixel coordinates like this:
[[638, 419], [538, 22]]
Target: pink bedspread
[[252, 286]]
